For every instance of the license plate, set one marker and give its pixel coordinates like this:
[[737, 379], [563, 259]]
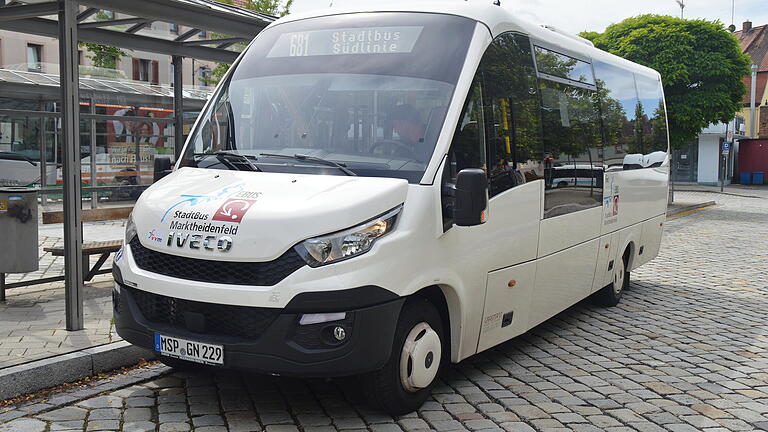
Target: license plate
[[189, 350]]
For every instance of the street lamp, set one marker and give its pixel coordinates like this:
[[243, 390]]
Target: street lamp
[[752, 102], [682, 6]]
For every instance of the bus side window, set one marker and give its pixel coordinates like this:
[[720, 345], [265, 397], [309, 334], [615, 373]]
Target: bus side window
[[571, 122], [513, 125], [467, 148], [500, 119]]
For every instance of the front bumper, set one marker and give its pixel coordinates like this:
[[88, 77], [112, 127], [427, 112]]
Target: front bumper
[[269, 340]]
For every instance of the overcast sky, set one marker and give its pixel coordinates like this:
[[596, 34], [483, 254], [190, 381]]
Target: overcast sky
[[578, 15]]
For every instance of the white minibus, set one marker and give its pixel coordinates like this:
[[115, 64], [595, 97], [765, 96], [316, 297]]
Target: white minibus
[[365, 194]]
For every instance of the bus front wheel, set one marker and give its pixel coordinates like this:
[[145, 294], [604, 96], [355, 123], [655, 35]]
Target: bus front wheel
[[405, 381]]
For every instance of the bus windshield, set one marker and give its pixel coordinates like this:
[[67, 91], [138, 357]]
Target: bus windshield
[[367, 91]]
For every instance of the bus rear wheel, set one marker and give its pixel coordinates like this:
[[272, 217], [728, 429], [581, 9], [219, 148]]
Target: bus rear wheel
[[611, 294], [405, 381]]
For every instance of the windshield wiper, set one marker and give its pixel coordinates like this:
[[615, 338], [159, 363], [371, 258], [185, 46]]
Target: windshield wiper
[[223, 155], [303, 157]]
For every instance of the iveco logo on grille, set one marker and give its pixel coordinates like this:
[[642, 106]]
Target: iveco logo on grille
[[199, 241]]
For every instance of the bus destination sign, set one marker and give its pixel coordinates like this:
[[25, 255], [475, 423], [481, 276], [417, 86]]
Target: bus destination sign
[[349, 41]]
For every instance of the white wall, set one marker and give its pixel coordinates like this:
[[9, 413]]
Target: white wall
[[709, 149]]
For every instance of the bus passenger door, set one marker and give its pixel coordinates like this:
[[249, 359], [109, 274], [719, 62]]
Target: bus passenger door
[[499, 132], [573, 176]]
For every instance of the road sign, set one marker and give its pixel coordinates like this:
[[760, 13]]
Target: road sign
[[726, 146]]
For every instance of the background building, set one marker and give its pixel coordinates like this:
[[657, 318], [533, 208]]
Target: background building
[[701, 160], [754, 42], [32, 53]]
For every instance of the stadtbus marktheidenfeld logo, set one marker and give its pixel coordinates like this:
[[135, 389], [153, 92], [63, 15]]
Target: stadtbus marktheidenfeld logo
[[233, 210]]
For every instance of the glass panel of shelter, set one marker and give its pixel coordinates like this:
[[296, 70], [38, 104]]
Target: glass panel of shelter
[[122, 152]]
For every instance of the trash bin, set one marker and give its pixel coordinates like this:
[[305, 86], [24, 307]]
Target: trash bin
[[18, 230], [745, 178], [757, 178]]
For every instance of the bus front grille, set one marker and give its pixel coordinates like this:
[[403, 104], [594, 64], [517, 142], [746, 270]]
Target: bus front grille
[[223, 272], [200, 317]]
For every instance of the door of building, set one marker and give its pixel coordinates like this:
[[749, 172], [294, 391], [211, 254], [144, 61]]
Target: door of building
[[685, 163]]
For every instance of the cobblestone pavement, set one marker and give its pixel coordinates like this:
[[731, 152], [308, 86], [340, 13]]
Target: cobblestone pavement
[[686, 350]]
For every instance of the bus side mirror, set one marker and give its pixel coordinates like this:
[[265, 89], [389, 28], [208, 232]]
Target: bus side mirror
[[471, 197], [163, 167]]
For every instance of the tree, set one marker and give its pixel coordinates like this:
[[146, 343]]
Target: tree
[[269, 7], [103, 56], [700, 62]]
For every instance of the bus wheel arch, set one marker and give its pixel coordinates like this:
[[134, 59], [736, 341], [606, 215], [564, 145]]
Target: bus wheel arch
[[611, 294], [628, 255], [419, 351], [446, 301]]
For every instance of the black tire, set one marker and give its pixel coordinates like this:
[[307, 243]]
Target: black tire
[[610, 295], [384, 388]]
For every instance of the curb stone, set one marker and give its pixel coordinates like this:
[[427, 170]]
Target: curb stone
[[53, 371], [741, 195], [86, 391], [678, 210]]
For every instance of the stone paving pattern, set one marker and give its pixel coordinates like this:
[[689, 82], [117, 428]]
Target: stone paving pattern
[[685, 350], [33, 326]]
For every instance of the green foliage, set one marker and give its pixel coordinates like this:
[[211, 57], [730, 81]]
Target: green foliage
[[269, 7], [104, 56], [700, 62]]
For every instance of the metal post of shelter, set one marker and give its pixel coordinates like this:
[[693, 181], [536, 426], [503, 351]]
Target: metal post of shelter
[[70, 128], [178, 105]]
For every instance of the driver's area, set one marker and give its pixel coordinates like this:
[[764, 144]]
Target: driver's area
[[372, 125]]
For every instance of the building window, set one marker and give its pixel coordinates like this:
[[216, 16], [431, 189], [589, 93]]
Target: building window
[[143, 72], [108, 14], [146, 70], [34, 58], [174, 28]]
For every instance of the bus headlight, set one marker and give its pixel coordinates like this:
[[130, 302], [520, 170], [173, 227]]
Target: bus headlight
[[348, 243], [130, 229]]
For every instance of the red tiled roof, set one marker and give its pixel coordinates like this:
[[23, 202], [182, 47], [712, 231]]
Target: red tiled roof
[[762, 81], [755, 44]]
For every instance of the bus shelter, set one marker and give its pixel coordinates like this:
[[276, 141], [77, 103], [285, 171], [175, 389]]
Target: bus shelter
[[76, 117]]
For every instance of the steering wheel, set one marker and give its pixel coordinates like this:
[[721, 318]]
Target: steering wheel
[[393, 148]]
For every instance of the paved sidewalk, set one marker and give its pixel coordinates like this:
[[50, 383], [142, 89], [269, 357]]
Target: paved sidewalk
[[748, 191], [32, 320], [53, 235]]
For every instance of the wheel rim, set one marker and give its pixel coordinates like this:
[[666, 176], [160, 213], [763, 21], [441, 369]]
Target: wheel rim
[[420, 358], [618, 278]]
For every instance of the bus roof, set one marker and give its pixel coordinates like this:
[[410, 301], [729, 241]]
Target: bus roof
[[497, 19]]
